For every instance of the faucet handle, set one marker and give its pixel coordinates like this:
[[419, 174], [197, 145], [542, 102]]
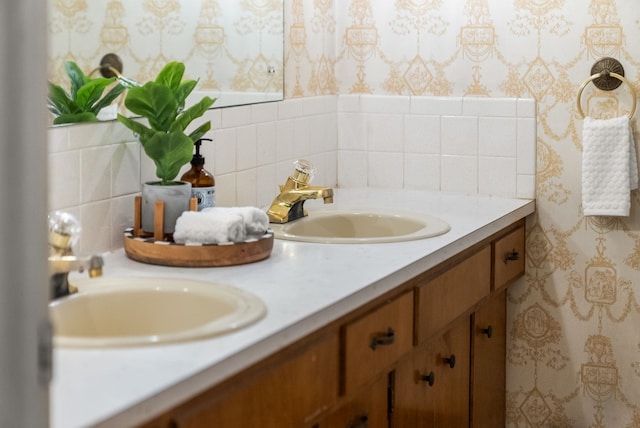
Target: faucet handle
[[303, 171], [64, 231]]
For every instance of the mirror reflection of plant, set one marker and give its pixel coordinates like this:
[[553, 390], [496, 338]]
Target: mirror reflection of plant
[[162, 103], [84, 100]]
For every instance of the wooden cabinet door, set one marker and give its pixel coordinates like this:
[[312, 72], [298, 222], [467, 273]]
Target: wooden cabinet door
[[290, 394], [431, 388], [368, 409], [489, 363]]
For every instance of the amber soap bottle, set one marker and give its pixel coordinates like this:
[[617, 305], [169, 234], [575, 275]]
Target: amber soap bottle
[[203, 185]]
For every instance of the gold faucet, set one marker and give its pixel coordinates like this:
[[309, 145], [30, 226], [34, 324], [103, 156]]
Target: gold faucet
[[64, 230], [288, 205]]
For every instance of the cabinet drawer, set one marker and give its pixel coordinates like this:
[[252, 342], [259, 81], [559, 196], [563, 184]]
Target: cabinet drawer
[[377, 340], [508, 258], [447, 296]]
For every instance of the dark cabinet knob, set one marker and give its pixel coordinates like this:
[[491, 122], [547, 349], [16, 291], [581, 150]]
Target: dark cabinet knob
[[488, 331], [429, 378], [382, 339], [360, 422], [512, 256], [451, 361]]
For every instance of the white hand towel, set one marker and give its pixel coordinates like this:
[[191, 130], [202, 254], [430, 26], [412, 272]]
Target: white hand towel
[[256, 221], [198, 227], [609, 166]]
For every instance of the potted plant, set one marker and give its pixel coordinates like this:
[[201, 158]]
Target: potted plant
[[85, 99], [162, 103]]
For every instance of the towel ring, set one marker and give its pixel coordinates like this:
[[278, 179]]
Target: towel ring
[[607, 73]]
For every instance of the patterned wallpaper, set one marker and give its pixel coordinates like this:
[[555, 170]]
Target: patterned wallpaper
[[230, 46], [574, 342]]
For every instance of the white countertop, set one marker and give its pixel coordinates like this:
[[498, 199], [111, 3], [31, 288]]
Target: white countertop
[[304, 287]]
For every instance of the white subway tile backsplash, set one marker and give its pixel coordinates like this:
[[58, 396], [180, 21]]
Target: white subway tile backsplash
[[437, 106], [499, 107], [352, 168], [421, 171], [264, 112], [125, 169], [526, 145], [225, 151], [246, 148], [459, 174], [236, 116], [526, 186], [497, 136], [385, 170], [421, 134], [64, 179], [526, 107], [459, 135], [353, 140], [284, 140], [266, 143], [496, 176], [385, 104], [95, 170], [384, 132], [349, 103], [352, 131], [226, 190], [246, 188]]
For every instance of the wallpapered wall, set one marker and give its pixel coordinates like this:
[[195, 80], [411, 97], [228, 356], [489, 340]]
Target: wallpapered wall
[[574, 346], [227, 45]]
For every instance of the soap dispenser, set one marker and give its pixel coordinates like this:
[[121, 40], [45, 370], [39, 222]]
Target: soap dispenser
[[203, 185]]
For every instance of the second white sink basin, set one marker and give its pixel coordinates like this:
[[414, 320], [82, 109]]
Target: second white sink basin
[[360, 226], [108, 312]]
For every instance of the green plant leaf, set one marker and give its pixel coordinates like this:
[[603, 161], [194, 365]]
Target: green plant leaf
[[184, 90], [155, 102], [91, 92], [143, 132], [59, 101], [169, 152], [108, 98], [75, 118], [171, 75], [193, 112], [77, 77], [200, 131]]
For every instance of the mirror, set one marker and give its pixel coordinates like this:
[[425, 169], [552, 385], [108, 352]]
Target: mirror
[[235, 48]]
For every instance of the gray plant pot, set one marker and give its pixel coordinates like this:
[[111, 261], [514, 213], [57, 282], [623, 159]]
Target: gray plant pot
[[176, 200]]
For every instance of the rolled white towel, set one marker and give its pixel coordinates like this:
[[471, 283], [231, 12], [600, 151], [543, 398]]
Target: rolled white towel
[[256, 221], [199, 227]]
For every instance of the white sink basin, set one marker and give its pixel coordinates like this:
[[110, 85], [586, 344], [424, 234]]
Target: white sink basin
[[108, 312], [360, 226]]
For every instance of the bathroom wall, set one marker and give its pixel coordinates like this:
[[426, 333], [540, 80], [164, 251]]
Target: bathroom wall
[[574, 348]]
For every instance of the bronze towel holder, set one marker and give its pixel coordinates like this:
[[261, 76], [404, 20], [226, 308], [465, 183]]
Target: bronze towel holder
[[607, 74]]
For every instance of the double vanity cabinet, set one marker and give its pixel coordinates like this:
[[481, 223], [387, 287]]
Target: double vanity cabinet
[[428, 353]]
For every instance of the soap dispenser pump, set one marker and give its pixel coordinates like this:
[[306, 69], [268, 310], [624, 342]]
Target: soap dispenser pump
[[203, 185]]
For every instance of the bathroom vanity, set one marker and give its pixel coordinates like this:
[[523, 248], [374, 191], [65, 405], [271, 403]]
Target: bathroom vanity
[[395, 334]]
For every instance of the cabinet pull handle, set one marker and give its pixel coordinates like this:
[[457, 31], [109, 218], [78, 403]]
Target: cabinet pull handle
[[429, 378], [381, 339], [451, 361], [360, 422], [488, 331], [512, 256]]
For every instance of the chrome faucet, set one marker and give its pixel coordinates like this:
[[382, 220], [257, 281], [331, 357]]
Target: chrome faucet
[[288, 205], [64, 230]]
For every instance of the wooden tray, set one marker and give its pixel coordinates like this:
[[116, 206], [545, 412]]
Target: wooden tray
[[168, 253], [158, 248]]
